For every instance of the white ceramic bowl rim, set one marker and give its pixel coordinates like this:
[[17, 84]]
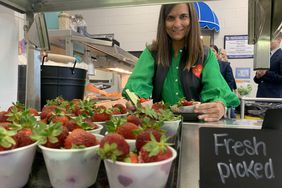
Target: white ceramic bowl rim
[[98, 128], [173, 121], [174, 154], [18, 149], [117, 115], [100, 122]]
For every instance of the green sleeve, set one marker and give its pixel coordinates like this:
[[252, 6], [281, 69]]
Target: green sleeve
[[215, 87], [140, 81]]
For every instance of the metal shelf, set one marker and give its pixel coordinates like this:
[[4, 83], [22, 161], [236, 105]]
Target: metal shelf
[[106, 53]]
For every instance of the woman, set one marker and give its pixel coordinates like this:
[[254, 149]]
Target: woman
[[177, 65]]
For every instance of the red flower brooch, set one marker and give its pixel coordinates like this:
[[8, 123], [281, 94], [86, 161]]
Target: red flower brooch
[[197, 70]]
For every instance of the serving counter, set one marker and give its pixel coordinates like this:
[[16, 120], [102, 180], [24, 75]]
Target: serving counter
[[189, 161], [185, 169]]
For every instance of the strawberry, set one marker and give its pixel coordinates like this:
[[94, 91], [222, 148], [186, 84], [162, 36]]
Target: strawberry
[[49, 108], [52, 136], [100, 107], [60, 118], [3, 116], [59, 101], [78, 138], [16, 106], [5, 125], [99, 117], [81, 107], [23, 137], [88, 125], [144, 137], [7, 141], [131, 158], [134, 119], [127, 130], [33, 111], [82, 123], [158, 106], [184, 102], [141, 100], [71, 125], [47, 111], [113, 146], [76, 101], [154, 151], [121, 108], [116, 111]]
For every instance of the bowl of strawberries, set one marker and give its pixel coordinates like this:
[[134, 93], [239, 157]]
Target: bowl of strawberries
[[70, 157], [15, 160], [148, 166], [17, 148], [184, 106]]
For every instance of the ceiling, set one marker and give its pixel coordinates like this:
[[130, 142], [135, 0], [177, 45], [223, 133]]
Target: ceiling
[[24, 6]]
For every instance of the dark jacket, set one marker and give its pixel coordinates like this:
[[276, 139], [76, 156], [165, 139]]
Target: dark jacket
[[270, 85], [227, 74], [192, 85]]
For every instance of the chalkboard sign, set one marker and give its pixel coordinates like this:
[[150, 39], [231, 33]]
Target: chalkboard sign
[[245, 158]]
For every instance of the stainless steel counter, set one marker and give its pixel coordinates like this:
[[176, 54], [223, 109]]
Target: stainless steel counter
[[189, 162]]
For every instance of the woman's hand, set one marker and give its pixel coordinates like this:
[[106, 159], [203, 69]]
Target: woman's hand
[[212, 111]]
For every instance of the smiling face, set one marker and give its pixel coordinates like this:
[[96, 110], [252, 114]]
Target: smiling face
[[177, 23]]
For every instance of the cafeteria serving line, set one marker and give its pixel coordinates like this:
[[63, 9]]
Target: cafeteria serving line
[[99, 74]]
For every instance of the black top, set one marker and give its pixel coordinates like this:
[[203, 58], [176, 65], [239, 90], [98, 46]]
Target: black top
[[270, 85], [227, 74]]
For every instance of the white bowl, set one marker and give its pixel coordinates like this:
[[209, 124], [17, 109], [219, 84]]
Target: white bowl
[[131, 143], [120, 115], [15, 166], [170, 127], [75, 168], [103, 123], [187, 109], [97, 130], [139, 175]]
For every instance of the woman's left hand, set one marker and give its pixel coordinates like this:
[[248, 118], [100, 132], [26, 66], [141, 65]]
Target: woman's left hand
[[212, 111]]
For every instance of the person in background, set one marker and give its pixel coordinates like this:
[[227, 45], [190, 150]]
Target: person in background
[[222, 55], [177, 65], [270, 81], [225, 67]]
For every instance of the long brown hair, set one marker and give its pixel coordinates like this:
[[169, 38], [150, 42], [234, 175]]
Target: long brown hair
[[193, 43]]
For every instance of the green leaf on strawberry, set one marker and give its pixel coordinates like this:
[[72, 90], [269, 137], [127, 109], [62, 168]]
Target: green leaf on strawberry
[[154, 147], [167, 115], [6, 139], [109, 151], [44, 133], [114, 123]]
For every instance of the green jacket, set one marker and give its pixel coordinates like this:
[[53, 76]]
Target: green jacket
[[214, 88]]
